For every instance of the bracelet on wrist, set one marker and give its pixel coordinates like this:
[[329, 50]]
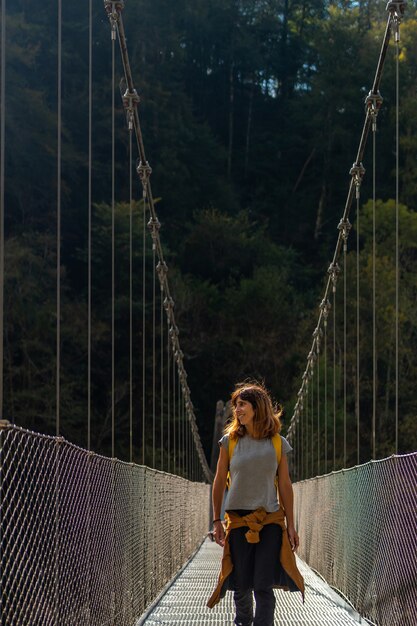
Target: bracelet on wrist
[[217, 520]]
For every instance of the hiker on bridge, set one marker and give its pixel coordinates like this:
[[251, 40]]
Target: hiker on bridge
[[259, 538]]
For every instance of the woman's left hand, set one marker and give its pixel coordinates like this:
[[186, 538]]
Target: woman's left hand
[[293, 537]]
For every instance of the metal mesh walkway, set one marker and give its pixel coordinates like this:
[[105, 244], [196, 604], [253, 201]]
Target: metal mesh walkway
[[184, 603]]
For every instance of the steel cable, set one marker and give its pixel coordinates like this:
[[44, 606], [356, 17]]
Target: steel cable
[[334, 378], [325, 392], [130, 297], [344, 353], [113, 209], [58, 224], [168, 397], [144, 217], [161, 312], [174, 414], [2, 179], [90, 158], [396, 10], [312, 422], [307, 397], [114, 9], [374, 357], [358, 397], [153, 352], [397, 228], [318, 408]]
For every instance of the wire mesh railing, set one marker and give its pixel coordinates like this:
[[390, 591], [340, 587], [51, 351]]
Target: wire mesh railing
[[85, 539], [357, 529]]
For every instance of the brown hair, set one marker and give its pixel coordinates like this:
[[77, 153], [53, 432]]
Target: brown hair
[[266, 421]]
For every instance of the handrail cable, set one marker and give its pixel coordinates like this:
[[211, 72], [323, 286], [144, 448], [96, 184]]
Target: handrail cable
[[114, 10], [2, 171], [396, 10]]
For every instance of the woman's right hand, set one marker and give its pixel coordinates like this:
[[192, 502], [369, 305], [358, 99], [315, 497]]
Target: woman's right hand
[[218, 533]]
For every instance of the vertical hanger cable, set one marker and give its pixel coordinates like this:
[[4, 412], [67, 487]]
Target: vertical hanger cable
[[130, 297], [144, 217], [2, 172], [113, 208], [58, 229], [397, 230], [90, 168], [161, 358], [374, 357], [153, 352]]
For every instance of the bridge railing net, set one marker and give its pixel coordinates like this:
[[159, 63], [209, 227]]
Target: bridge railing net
[[88, 540], [357, 529]]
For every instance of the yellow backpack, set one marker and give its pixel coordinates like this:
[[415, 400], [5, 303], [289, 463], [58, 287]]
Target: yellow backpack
[[276, 442]]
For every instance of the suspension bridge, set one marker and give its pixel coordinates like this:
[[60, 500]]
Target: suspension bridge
[[93, 540]]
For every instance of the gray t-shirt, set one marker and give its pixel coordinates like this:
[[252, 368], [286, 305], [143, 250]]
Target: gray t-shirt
[[252, 471]]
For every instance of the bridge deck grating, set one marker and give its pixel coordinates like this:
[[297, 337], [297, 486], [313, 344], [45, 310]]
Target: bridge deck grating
[[184, 603]]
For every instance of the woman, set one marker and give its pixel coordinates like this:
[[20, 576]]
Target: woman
[[258, 547]]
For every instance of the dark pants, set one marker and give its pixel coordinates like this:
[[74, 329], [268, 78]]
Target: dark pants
[[254, 568], [265, 607]]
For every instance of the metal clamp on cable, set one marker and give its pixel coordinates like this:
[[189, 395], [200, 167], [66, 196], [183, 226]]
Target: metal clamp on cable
[[325, 307], [397, 9], [317, 336], [113, 9], [334, 271], [144, 171], [357, 171], [344, 226], [130, 102], [154, 226], [373, 102]]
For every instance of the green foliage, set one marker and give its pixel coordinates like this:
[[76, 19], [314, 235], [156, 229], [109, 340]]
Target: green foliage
[[251, 113]]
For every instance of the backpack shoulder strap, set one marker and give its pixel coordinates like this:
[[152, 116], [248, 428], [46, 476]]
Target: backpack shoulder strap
[[277, 443], [232, 446]]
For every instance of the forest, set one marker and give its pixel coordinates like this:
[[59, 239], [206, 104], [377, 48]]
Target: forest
[[251, 112]]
